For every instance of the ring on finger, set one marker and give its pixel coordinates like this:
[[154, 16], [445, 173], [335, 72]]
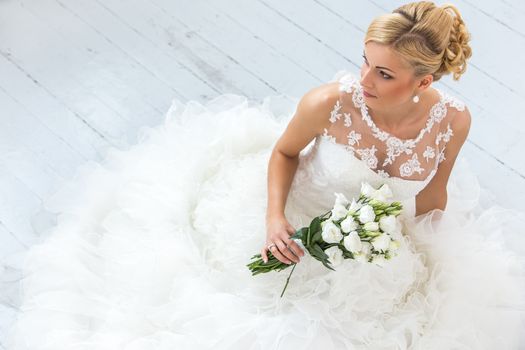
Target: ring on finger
[[271, 246]]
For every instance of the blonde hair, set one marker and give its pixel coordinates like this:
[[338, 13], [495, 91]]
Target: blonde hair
[[433, 40]]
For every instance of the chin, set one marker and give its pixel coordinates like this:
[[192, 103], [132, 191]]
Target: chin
[[371, 101]]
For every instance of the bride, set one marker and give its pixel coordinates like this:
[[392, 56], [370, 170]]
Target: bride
[[151, 246], [401, 119]]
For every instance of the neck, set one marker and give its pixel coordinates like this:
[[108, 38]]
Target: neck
[[393, 117]]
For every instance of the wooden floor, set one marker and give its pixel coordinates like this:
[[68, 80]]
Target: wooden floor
[[79, 76]]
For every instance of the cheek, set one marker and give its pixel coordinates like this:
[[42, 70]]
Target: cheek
[[393, 92]]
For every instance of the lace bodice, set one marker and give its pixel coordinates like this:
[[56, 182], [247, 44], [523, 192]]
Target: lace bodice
[[354, 149], [415, 158]]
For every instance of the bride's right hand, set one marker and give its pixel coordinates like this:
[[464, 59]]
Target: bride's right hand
[[278, 232]]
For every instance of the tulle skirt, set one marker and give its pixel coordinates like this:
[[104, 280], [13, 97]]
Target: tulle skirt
[[150, 250]]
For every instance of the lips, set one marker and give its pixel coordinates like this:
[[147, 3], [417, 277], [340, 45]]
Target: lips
[[367, 94]]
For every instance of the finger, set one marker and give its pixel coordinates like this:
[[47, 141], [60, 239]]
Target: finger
[[286, 252], [263, 255], [294, 247], [277, 253]]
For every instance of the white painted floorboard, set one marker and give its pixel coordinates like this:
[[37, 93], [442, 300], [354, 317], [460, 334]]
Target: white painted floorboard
[[79, 76]]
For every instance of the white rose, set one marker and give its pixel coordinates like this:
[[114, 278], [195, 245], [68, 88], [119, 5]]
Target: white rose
[[371, 226], [349, 224], [331, 233], [366, 248], [381, 242], [379, 260], [383, 194], [352, 242], [340, 199], [335, 255], [366, 214], [388, 223], [338, 212], [354, 206], [367, 189]]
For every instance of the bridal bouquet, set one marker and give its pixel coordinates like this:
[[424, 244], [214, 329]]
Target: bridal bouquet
[[361, 229]]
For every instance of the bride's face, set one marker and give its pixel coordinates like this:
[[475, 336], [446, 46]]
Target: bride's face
[[387, 80]]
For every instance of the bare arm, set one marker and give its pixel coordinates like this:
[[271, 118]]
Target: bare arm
[[434, 195], [281, 170], [310, 119]]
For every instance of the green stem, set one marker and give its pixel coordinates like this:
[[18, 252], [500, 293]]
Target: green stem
[[288, 280]]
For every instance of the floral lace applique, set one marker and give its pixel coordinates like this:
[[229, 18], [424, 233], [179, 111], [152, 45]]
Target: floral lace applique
[[455, 102], [328, 136], [410, 166], [347, 83], [383, 173], [368, 155], [437, 113], [350, 149], [348, 121], [358, 98], [334, 114], [379, 134], [441, 156], [353, 137], [394, 145], [429, 153], [445, 136]]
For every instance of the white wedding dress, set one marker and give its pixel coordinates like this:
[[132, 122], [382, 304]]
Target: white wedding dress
[[151, 246]]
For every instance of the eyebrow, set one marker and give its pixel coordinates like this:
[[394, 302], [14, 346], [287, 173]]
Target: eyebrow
[[379, 67]]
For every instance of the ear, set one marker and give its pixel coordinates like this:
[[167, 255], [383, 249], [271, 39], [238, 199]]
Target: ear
[[425, 82]]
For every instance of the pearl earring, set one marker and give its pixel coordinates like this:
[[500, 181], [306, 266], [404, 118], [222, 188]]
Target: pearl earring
[[415, 99]]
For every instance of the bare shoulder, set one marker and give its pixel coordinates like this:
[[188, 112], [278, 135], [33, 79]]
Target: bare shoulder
[[460, 124], [311, 117], [317, 102]]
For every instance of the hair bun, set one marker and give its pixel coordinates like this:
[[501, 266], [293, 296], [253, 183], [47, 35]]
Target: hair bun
[[432, 40], [458, 50]]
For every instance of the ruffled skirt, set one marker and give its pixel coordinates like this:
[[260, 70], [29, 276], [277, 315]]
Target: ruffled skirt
[[150, 250]]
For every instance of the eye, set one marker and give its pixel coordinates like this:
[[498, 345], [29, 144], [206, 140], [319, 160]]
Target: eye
[[385, 76], [382, 73]]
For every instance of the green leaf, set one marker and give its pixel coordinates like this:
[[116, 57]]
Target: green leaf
[[327, 265], [315, 254], [315, 225], [317, 237], [300, 233], [319, 251]]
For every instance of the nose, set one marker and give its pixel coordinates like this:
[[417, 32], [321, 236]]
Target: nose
[[366, 78]]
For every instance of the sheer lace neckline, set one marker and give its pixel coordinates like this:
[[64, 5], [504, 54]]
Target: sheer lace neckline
[[387, 155], [434, 115], [382, 175]]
